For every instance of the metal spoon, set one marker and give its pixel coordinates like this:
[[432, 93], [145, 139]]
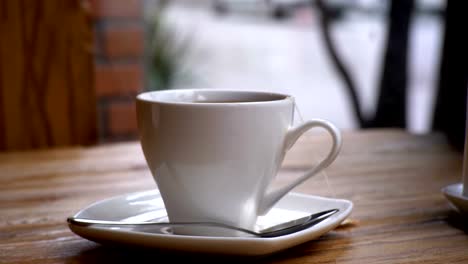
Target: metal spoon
[[278, 230]]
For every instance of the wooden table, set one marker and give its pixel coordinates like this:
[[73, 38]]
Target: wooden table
[[393, 178]]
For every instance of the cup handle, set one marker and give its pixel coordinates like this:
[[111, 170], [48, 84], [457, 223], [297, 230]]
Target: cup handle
[[292, 136]]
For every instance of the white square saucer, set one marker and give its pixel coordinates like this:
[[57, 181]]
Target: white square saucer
[[454, 193], [148, 206]]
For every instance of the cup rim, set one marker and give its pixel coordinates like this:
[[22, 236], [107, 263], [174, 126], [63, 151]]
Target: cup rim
[[144, 97]]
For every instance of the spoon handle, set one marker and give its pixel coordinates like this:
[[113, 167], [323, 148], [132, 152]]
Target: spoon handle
[[278, 230], [298, 224], [102, 223]]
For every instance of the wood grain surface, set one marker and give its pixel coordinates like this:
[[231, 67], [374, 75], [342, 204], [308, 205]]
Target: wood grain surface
[[393, 178], [47, 93]]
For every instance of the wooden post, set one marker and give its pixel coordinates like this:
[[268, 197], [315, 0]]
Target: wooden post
[[47, 95]]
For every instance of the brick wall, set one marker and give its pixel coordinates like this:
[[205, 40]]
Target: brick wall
[[119, 45]]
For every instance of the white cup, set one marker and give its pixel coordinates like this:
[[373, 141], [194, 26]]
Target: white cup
[[214, 153]]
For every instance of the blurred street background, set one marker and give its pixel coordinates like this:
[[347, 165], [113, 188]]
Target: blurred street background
[[276, 46]]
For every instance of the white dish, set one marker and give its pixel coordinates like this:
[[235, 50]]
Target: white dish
[[454, 193], [148, 206]]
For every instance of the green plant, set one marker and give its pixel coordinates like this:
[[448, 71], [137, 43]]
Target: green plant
[[169, 53]]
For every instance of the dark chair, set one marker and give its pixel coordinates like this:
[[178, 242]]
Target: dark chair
[[451, 101]]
